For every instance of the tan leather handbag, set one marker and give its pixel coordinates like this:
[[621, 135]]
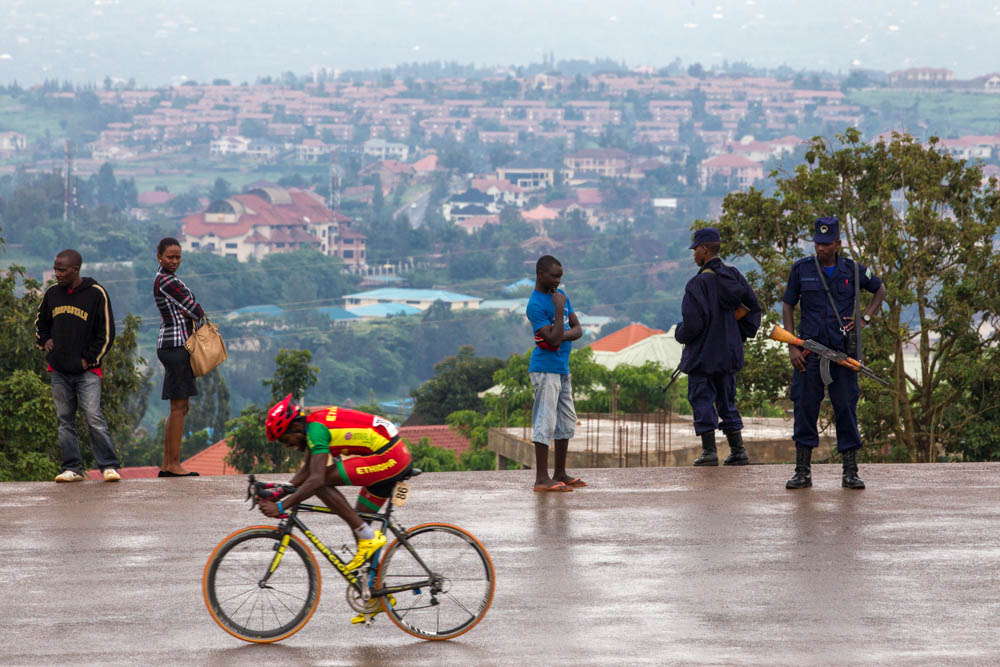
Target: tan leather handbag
[[206, 347]]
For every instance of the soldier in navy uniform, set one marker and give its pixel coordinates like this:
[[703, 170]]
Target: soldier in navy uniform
[[820, 323], [713, 337]]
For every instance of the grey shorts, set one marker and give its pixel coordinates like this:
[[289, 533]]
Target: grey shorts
[[553, 416]]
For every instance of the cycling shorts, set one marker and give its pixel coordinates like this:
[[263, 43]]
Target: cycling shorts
[[375, 470]]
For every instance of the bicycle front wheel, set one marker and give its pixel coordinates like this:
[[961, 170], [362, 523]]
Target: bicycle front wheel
[[249, 604], [450, 599]]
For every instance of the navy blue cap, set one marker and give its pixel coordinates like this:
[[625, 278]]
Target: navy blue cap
[[706, 235], [827, 230]]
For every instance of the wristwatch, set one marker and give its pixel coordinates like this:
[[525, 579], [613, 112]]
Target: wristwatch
[[867, 318]]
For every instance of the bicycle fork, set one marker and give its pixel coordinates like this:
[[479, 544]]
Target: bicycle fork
[[279, 554]]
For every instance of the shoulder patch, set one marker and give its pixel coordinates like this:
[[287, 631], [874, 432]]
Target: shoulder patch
[[868, 273]]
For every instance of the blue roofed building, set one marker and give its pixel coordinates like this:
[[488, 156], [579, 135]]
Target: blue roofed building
[[418, 298], [520, 284], [336, 313], [592, 324], [379, 310], [505, 305]]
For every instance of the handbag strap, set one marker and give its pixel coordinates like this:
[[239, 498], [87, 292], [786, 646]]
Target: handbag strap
[[833, 304]]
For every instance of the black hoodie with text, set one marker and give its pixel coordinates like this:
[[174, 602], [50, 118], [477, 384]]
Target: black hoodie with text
[[79, 322]]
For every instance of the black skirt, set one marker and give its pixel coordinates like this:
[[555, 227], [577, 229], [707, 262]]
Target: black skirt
[[178, 378]]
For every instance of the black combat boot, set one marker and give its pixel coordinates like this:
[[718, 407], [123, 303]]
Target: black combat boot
[[708, 457], [851, 479], [803, 469], [737, 455]]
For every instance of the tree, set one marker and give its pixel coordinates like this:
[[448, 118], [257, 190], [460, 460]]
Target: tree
[[107, 187], [475, 427], [28, 438], [221, 189], [292, 375], [429, 458], [925, 222], [249, 449], [209, 410], [122, 385], [455, 386], [17, 317]]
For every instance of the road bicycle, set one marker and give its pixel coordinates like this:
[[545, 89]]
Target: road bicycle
[[262, 583]]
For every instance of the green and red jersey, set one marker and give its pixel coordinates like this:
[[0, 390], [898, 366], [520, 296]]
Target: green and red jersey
[[340, 431]]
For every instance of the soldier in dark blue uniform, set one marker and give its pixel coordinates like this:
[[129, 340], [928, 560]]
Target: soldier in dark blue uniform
[[821, 323], [713, 337]]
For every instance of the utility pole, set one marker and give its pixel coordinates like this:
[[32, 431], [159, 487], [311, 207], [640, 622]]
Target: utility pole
[[336, 180], [69, 185]]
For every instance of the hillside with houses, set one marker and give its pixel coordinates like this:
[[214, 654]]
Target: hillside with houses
[[363, 216]]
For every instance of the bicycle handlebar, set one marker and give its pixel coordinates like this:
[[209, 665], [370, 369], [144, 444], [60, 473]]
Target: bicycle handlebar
[[257, 490]]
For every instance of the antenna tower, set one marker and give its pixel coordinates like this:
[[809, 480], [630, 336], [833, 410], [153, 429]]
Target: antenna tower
[[69, 184]]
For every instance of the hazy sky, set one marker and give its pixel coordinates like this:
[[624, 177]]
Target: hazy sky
[[160, 41]]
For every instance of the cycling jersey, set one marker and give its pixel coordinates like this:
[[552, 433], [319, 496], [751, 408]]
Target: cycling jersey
[[367, 448], [342, 431]]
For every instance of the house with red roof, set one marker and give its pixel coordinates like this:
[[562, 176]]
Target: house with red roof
[[500, 190], [540, 215], [635, 345], [738, 171], [269, 219]]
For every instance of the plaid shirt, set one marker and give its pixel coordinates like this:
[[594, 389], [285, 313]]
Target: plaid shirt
[[178, 309]]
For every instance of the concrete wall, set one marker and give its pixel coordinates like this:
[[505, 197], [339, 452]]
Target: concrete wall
[[508, 446]]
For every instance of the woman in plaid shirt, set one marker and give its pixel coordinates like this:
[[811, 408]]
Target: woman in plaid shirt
[[179, 311]]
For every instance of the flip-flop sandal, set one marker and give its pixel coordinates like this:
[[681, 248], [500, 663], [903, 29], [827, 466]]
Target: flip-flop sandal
[[556, 488], [576, 482]]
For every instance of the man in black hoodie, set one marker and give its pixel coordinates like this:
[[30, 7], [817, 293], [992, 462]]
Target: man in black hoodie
[[712, 334], [75, 327]]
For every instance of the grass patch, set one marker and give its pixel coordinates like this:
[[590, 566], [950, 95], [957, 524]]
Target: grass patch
[[947, 113]]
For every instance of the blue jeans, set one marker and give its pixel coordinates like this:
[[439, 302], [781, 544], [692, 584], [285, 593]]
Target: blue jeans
[[84, 389], [553, 416]]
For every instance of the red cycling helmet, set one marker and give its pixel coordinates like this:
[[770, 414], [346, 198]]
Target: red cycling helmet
[[280, 417]]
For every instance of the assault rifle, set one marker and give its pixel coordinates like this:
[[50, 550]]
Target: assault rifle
[[826, 355]]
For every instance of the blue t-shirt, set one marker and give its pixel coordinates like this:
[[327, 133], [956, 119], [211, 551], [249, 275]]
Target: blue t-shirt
[[541, 313]]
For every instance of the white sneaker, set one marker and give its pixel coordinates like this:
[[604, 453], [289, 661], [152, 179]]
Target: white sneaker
[[69, 476], [111, 475]]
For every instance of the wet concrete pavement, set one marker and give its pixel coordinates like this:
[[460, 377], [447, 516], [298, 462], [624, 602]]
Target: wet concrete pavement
[[645, 566]]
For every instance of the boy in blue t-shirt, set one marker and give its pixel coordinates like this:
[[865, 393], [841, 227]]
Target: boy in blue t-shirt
[[554, 415]]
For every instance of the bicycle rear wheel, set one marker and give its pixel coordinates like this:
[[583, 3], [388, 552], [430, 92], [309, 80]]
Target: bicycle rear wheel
[[456, 593], [246, 606]]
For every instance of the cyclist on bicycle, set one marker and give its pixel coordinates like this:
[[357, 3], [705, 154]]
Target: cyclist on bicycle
[[343, 448]]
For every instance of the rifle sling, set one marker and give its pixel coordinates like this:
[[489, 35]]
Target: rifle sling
[[826, 288]]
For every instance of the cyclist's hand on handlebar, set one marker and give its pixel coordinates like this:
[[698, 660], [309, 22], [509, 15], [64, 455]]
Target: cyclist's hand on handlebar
[[270, 508], [275, 494]]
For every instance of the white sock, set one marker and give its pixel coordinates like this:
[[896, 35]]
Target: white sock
[[365, 532]]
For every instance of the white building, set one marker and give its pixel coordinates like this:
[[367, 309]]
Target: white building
[[273, 219]]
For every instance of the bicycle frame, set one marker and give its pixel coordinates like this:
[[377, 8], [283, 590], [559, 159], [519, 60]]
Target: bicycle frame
[[384, 518]]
